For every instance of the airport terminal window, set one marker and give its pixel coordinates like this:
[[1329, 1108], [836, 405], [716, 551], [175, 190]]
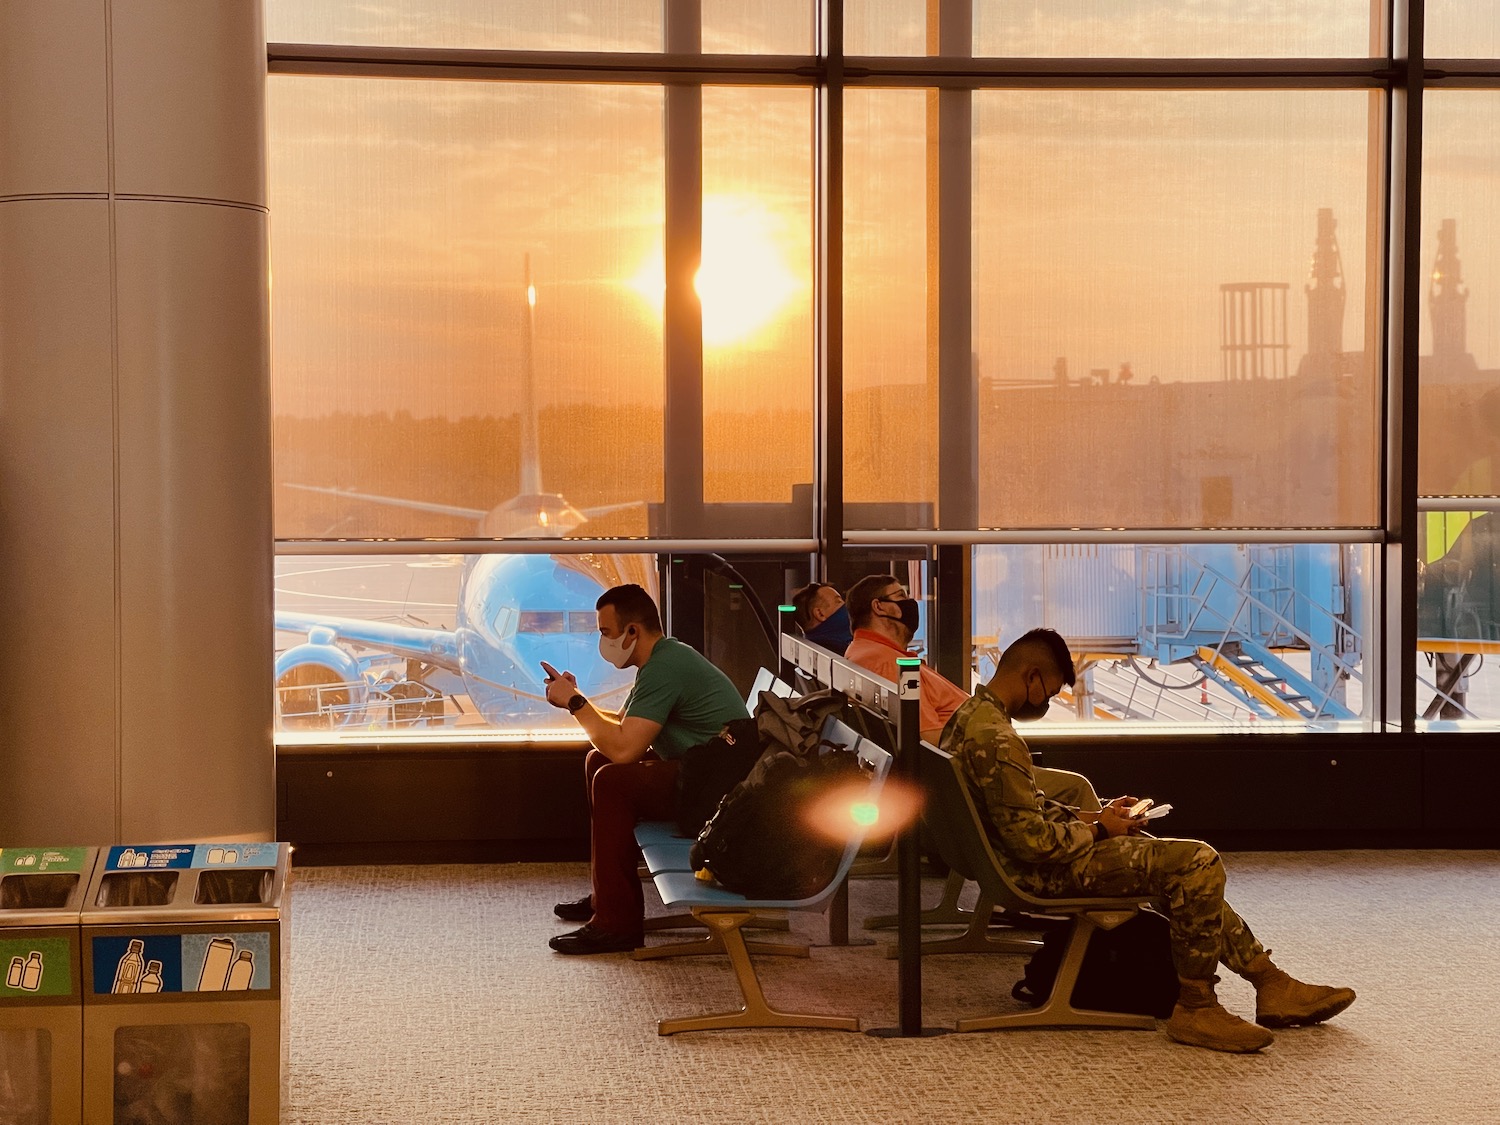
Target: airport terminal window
[[1146, 29], [1169, 309], [1463, 30], [1178, 325], [1124, 29], [757, 294], [452, 324], [1458, 580], [890, 435], [752, 27], [514, 25], [1194, 635], [440, 647]]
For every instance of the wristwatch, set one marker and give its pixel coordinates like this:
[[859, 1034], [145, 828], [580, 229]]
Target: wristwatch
[[577, 704]]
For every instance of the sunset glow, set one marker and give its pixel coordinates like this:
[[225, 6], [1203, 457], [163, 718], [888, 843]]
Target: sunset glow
[[744, 282]]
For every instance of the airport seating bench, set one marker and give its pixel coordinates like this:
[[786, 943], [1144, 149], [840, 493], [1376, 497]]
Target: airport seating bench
[[958, 830], [726, 913]]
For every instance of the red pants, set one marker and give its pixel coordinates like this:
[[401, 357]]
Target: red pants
[[619, 797]]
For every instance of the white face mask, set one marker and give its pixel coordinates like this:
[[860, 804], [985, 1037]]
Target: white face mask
[[615, 650]]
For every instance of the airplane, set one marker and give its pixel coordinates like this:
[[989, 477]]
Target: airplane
[[511, 613]]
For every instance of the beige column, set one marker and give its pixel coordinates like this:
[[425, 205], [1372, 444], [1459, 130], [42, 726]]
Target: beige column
[[135, 476]]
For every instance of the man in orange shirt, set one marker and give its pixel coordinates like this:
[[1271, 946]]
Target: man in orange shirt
[[885, 619]]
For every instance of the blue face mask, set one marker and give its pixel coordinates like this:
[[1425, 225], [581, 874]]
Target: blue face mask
[[833, 631]]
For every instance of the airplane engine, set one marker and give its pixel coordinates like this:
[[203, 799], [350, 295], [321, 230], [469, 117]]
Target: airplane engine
[[319, 686]]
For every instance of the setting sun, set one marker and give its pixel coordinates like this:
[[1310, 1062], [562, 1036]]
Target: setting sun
[[743, 281]]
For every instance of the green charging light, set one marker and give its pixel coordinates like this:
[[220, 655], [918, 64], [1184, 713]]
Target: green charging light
[[908, 662], [786, 609], [864, 813]]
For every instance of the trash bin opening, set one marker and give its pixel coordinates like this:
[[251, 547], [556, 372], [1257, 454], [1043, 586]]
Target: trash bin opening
[[137, 888], [233, 886], [37, 892]]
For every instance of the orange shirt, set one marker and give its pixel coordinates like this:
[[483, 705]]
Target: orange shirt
[[940, 697]]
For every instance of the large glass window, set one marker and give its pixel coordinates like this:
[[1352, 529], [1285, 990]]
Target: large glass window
[[452, 319], [515, 25], [1115, 337], [1233, 636], [890, 434], [1169, 302], [1458, 583], [1125, 28], [446, 646]]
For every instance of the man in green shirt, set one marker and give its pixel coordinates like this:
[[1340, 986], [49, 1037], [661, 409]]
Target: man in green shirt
[[1058, 852], [678, 700]]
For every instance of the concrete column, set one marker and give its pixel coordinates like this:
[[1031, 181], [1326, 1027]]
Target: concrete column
[[135, 474]]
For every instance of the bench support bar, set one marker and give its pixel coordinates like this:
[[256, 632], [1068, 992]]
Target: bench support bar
[[1058, 1011], [726, 937]]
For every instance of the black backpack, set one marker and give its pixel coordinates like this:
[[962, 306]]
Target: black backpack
[[762, 842], [1126, 969], [711, 769]]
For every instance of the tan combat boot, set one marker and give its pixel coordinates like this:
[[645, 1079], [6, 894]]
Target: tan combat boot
[[1199, 1020], [1284, 1001]]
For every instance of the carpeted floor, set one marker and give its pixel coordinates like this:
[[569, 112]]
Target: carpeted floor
[[428, 994]]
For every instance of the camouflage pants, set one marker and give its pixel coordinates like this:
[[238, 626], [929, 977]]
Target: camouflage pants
[[1189, 876]]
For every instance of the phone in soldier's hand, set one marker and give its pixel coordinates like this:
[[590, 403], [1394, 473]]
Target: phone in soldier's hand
[[1139, 807]]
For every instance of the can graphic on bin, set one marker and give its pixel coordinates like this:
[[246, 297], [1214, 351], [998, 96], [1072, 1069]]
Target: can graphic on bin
[[216, 959]]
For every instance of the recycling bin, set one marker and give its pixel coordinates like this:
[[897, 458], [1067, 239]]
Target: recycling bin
[[184, 959], [41, 1014]]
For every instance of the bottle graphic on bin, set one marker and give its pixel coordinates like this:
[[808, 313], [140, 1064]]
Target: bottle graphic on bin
[[131, 968], [151, 981]]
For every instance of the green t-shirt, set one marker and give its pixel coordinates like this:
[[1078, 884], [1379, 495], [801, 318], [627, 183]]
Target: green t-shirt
[[691, 699]]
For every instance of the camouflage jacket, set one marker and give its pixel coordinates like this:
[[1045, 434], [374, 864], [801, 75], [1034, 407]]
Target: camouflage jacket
[[1036, 839]]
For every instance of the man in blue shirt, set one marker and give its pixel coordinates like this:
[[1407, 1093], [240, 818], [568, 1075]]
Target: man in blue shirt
[[678, 700]]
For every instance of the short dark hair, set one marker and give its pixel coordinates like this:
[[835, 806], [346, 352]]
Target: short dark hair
[[633, 606], [1041, 646], [862, 593], [802, 602]]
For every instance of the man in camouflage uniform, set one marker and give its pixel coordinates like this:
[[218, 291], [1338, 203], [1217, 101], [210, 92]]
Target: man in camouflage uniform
[[1054, 852]]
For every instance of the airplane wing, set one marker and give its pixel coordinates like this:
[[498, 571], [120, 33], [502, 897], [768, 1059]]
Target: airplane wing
[[432, 646], [393, 501], [605, 509]]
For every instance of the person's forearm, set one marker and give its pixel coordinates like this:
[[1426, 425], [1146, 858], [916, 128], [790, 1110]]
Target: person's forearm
[[604, 731]]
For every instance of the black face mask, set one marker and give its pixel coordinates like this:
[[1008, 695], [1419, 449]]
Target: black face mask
[[909, 613], [1030, 712]]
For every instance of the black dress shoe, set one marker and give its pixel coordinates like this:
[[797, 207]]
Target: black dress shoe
[[579, 910], [589, 940]]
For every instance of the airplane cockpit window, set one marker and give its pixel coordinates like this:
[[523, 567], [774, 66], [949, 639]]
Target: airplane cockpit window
[[542, 621], [505, 619], [586, 622]]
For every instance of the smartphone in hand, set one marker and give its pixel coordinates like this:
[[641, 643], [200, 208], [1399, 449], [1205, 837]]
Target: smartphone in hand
[[1139, 807]]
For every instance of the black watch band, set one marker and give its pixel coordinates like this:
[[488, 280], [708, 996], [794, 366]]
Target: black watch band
[[577, 704]]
